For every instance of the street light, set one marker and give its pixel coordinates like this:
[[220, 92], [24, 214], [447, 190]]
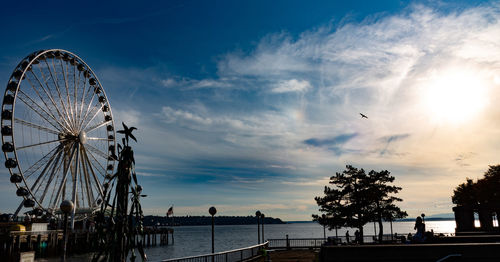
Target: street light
[[263, 216], [66, 207], [212, 212], [423, 217], [257, 214]]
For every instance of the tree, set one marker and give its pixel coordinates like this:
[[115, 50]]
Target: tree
[[357, 198], [483, 192], [384, 204], [465, 194]]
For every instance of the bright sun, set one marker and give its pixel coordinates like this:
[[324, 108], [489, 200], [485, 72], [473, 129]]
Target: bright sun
[[455, 96]]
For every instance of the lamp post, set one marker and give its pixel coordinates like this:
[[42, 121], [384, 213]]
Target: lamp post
[[66, 207], [263, 217], [212, 212], [423, 217], [257, 214]]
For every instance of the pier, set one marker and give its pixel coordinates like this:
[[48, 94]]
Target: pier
[[49, 243]]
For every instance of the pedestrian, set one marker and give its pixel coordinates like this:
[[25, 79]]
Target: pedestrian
[[357, 237], [347, 237]]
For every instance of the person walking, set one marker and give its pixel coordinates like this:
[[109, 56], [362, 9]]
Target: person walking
[[357, 237]]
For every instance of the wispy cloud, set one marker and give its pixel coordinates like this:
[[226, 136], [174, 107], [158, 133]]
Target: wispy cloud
[[292, 85], [188, 83], [387, 140], [335, 141], [379, 66], [285, 114]]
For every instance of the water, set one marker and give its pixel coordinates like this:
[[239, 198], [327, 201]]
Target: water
[[196, 240]]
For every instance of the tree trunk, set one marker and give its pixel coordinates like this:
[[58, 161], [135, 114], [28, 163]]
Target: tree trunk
[[381, 230]]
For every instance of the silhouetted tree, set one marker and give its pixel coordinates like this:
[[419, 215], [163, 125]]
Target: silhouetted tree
[[483, 192], [465, 194], [384, 203], [357, 198]]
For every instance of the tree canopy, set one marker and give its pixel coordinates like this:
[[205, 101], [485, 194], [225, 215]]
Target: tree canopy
[[482, 192], [357, 198]]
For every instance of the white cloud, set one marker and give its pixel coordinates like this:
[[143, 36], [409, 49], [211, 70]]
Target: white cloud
[[171, 115], [292, 85], [189, 83], [379, 67]]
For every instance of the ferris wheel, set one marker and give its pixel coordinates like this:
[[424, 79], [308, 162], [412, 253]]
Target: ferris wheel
[[58, 134]]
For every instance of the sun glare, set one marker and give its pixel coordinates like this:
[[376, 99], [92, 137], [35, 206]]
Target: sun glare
[[455, 97]]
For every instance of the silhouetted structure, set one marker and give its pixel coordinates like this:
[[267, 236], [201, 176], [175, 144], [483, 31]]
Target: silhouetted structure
[[478, 204], [120, 222], [465, 217]]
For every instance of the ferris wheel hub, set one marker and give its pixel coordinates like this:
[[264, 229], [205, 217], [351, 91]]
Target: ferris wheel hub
[[82, 137]]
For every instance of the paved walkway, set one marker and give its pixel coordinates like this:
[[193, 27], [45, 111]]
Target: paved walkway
[[303, 255]]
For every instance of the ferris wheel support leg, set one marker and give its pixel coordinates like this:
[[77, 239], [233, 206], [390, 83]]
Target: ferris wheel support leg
[[18, 209], [75, 188]]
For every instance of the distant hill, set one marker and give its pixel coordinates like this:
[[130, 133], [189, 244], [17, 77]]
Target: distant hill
[[443, 215], [207, 220]]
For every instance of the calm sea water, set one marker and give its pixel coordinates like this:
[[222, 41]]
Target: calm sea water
[[196, 240]]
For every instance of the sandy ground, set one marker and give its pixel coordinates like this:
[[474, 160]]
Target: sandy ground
[[303, 255]]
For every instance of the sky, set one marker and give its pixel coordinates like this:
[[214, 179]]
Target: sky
[[253, 105]]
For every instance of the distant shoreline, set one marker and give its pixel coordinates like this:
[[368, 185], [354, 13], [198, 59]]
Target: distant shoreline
[[399, 220], [239, 220], [206, 220]]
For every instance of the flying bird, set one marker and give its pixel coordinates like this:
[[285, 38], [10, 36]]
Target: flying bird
[[363, 116]]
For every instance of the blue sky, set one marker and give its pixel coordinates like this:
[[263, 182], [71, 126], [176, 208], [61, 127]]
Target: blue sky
[[248, 105]]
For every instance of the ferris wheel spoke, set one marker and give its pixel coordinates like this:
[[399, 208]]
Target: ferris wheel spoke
[[66, 81], [99, 138], [75, 100], [49, 113], [55, 169], [42, 143], [52, 207], [88, 186], [86, 179], [45, 108], [41, 112], [36, 126], [75, 187], [98, 152], [42, 174], [56, 83], [47, 93], [88, 108], [88, 130], [91, 149], [38, 164], [80, 116], [80, 175], [93, 117], [64, 176], [89, 167]]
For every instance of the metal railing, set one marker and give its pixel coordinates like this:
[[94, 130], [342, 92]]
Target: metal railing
[[296, 243], [226, 256], [290, 243]]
